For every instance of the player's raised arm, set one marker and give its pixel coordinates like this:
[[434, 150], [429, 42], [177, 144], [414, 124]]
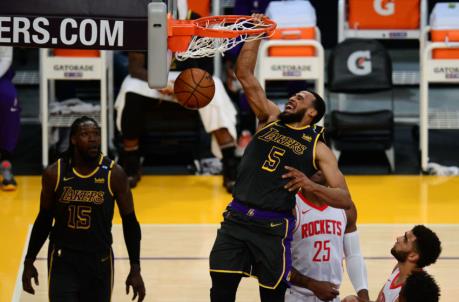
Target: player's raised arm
[[41, 227], [265, 110], [131, 229]]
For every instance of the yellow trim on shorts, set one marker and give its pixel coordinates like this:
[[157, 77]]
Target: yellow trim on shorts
[[49, 274], [314, 149], [58, 174], [109, 178], [231, 272]]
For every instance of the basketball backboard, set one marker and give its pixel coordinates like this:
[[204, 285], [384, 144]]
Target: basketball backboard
[[158, 61]]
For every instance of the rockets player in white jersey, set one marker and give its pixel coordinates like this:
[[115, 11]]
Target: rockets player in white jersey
[[322, 237], [414, 250]]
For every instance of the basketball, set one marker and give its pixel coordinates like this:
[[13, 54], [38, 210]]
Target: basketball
[[194, 88]]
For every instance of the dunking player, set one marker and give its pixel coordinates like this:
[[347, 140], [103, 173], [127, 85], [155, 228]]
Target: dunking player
[[78, 193], [254, 238], [321, 237]]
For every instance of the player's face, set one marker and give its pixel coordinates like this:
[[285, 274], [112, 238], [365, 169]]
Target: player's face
[[405, 247], [298, 106], [87, 140]]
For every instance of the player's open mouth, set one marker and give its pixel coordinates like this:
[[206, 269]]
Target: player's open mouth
[[289, 106]]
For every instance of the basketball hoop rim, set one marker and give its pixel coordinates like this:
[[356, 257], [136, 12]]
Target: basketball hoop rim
[[215, 33], [200, 27], [202, 30]]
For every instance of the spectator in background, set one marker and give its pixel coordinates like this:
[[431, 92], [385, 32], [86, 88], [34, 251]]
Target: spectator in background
[[9, 118], [219, 117]]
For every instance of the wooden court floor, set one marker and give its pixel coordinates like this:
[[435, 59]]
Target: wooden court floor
[[180, 216]]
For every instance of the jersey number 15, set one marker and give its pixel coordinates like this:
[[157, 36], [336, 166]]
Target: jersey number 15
[[79, 217]]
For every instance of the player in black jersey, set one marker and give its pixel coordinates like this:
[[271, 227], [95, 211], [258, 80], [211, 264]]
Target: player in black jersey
[[78, 193], [254, 238]]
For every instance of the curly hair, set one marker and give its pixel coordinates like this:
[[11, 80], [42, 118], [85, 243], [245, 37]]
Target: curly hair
[[420, 287], [427, 245], [68, 154]]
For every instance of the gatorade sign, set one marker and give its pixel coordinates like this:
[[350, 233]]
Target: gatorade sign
[[359, 62], [384, 14], [384, 7]]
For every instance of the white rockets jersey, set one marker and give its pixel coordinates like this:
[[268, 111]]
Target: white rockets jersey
[[391, 290], [318, 242]]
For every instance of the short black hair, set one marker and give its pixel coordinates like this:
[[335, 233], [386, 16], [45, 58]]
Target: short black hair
[[427, 244], [319, 105], [420, 287]]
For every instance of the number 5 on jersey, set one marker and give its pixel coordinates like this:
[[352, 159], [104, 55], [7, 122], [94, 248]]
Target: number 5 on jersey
[[274, 158]]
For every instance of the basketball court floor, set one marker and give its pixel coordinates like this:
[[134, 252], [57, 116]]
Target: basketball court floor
[[180, 216]]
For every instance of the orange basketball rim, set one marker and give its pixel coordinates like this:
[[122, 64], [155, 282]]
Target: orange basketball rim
[[217, 29]]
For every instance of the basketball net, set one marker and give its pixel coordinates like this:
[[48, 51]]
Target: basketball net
[[218, 34]]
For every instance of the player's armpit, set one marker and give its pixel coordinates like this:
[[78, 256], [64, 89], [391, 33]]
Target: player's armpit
[[337, 194]]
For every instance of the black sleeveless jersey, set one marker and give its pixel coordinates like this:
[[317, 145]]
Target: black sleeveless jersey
[[83, 209], [259, 181]]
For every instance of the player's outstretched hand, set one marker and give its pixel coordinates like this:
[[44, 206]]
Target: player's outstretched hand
[[29, 272], [134, 280], [297, 180], [323, 290]]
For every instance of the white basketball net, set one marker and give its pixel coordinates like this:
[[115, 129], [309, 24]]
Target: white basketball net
[[201, 47]]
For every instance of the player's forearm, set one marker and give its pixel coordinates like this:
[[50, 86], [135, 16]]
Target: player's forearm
[[40, 231], [298, 279], [247, 59], [132, 237], [335, 197]]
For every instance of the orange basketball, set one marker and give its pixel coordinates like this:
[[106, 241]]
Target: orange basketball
[[194, 88]]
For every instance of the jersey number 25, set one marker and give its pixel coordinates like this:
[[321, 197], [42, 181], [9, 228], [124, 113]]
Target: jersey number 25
[[322, 251]]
